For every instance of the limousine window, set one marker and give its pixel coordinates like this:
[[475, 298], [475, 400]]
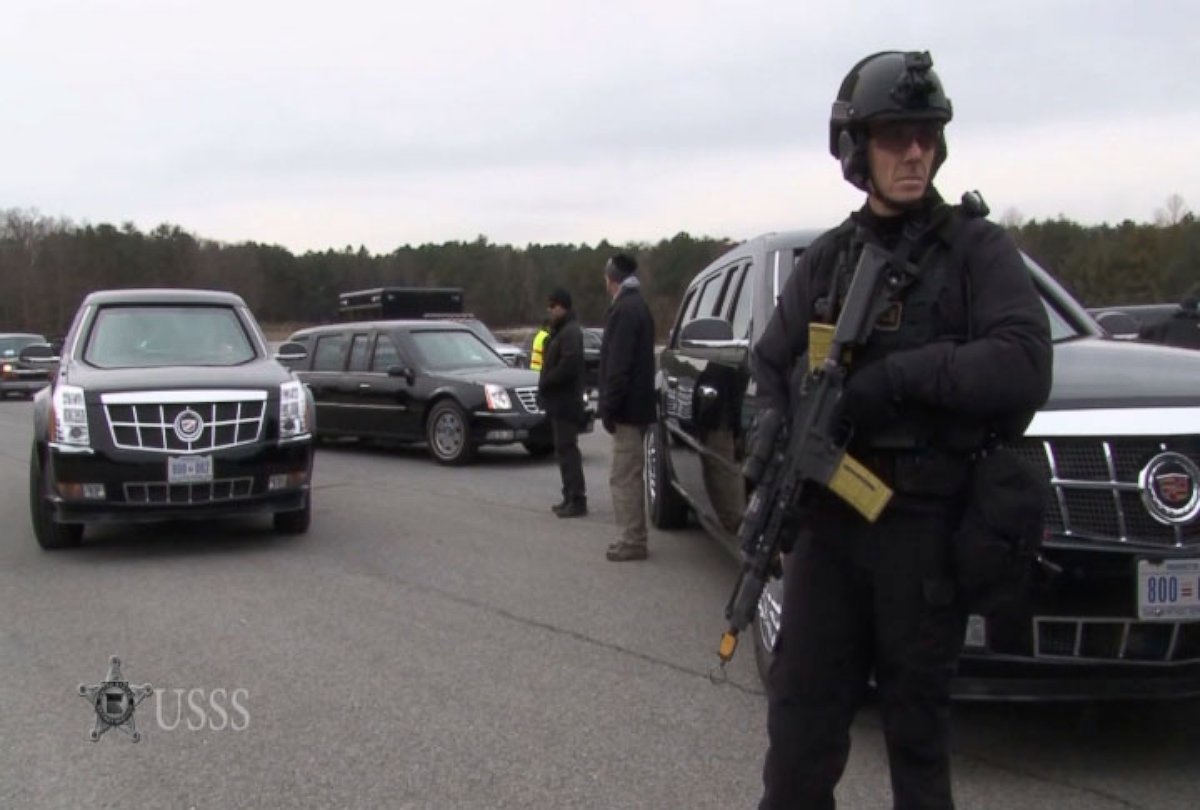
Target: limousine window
[[740, 320], [359, 352], [386, 354], [327, 356], [448, 350], [709, 296]]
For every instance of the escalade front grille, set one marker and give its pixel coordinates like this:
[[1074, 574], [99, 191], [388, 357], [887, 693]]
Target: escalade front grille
[[530, 400], [1096, 493], [1115, 640], [184, 421], [155, 492]]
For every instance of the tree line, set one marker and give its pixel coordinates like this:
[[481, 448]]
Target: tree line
[[48, 265]]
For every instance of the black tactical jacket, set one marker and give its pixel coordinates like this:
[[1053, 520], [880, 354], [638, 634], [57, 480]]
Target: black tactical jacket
[[969, 353]]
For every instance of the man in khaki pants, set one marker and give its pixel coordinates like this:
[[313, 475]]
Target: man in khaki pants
[[627, 404]]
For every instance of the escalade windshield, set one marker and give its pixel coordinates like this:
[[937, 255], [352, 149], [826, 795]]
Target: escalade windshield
[[148, 336]]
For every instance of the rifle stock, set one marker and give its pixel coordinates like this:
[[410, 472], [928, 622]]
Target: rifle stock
[[809, 447]]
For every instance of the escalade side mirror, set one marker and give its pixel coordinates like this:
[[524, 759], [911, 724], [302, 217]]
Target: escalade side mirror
[[291, 352], [708, 333], [39, 354]]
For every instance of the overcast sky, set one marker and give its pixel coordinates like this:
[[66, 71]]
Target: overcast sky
[[388, 122]]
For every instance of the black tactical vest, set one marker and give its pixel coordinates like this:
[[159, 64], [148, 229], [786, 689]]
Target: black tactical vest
[[935, 307]]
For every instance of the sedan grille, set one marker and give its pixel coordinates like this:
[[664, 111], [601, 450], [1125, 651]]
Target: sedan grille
[[530, 400], [1096, 488], [184, 421], [1116, 640], [156, 492]]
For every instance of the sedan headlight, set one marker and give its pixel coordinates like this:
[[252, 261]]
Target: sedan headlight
[[70, 417], [497, 397], [293, 410]]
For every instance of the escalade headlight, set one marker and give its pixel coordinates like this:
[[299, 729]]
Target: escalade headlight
[[293, 410], [70, 424], [497, 397]]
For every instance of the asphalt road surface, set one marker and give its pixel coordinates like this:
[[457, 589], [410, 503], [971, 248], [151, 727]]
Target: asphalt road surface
[[440, 640]]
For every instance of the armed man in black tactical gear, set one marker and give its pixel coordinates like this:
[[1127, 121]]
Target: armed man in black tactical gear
[[959, 360]]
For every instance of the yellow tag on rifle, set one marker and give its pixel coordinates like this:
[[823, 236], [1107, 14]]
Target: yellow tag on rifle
[[859, 487], [820, 338]]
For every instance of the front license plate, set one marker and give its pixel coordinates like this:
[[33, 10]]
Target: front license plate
[[1168, 590], [189, 469]]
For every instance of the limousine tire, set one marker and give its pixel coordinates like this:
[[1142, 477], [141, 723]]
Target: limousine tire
[[448, 433], [666, 507], [50, 534]]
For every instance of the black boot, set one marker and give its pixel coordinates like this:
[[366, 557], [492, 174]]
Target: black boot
[[577, 507], [558, 507]]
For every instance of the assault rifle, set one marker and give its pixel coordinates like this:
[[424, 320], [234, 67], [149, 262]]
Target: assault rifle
[[810, 448]]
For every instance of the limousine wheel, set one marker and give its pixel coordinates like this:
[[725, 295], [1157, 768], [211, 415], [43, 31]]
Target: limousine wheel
[[49, 533], [666, 507], [448, 434]]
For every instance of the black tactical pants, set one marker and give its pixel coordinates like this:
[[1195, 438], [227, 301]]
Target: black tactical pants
[[570, 462], [862, 599]]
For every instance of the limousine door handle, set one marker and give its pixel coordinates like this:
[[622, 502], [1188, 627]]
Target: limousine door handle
[[363, 386]]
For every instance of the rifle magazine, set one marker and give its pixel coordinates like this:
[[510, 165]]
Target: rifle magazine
[[859, 487]]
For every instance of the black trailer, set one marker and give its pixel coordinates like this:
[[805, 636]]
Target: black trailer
[[390, 303]]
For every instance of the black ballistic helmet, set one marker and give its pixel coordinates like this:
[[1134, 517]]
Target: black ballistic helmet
[[886, 86]]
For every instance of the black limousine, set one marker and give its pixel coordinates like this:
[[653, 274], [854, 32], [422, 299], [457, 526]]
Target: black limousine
[[163, 405], [1115, 610], [425, 381]]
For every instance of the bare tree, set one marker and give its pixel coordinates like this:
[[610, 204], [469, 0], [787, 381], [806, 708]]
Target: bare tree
[[1012, 219], [1172, 212]]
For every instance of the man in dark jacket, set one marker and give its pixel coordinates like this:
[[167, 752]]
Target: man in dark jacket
[[960, 357], [1181, 329], [627, 403], [561, 386]]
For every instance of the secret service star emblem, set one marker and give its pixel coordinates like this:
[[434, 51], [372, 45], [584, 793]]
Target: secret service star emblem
[[114, 700]]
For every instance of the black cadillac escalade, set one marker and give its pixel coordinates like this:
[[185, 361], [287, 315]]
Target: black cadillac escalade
[[1115, 611], [165, 404]]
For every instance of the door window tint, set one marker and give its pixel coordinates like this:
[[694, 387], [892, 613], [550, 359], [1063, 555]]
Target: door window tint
[[360, 346], [708, 297], [688, 299], [740, 319], [328, 355], [386, 355]]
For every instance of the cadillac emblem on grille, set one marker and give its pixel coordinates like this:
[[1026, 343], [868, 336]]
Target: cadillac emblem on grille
[[1170, 486], [188, 426]]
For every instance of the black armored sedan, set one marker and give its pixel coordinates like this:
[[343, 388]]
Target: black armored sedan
[[1115, 608], [421, 381], [165, 404]]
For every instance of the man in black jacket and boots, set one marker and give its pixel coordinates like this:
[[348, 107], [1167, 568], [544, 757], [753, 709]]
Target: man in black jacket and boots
[[627, 404], [561, 386], [959, 358]]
